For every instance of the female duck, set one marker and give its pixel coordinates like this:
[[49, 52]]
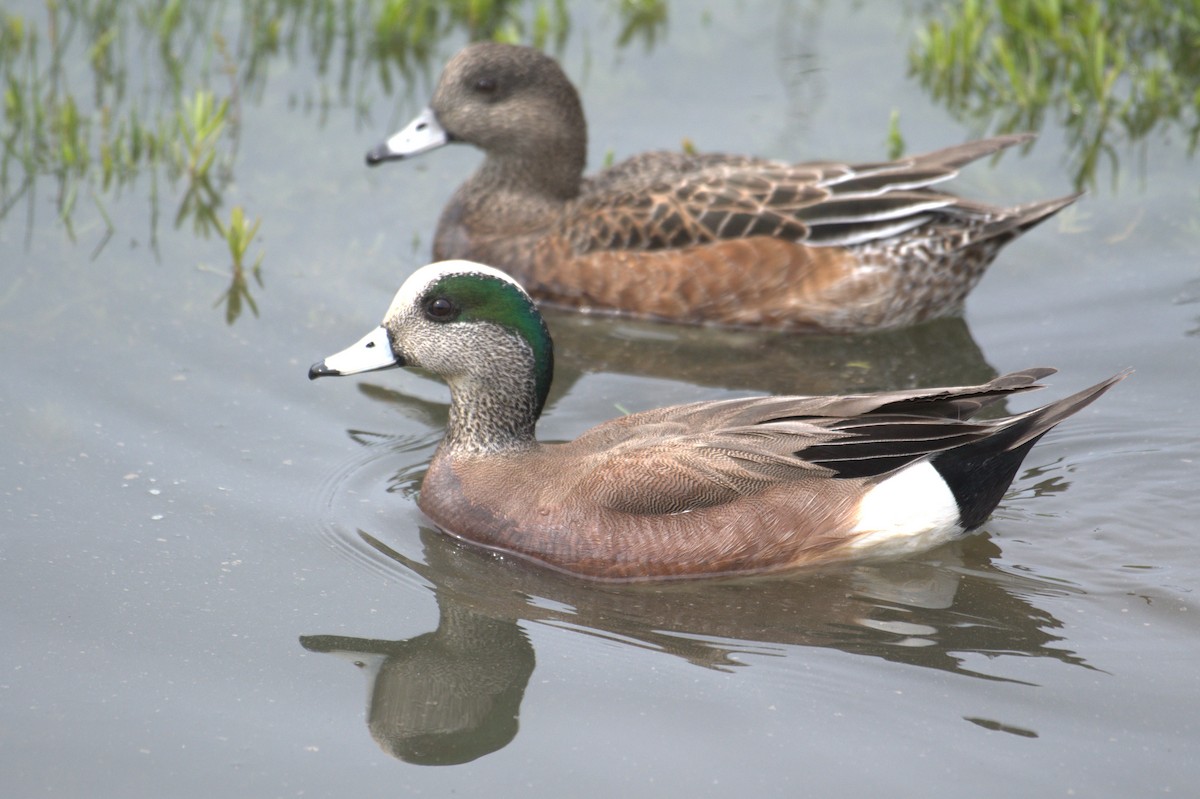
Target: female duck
[[712, 238], [718, 487]]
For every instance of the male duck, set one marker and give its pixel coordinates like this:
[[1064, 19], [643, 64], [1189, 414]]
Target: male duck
[[712, 238], [708, 488]]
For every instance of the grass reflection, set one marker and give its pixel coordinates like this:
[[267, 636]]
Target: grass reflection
[[1109, 70]]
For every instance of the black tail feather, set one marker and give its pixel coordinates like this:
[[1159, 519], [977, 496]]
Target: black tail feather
[[979, 472]]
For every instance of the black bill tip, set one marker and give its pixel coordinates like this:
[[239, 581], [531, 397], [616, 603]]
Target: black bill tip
[[321, 370], [378, 155]]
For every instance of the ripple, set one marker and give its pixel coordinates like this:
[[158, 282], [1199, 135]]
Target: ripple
[[374, 490]]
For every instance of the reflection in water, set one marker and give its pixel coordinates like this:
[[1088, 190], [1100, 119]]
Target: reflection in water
[[937, 353], [453, 695], [1190, 295], [445, 697]]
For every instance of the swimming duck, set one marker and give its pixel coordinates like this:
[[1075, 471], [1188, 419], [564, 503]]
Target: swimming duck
[[708, 488], [710, 238]]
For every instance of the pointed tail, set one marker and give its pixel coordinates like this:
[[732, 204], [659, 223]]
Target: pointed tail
[[978, 473]]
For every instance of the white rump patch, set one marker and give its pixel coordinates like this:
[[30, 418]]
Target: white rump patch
[[910, 511]]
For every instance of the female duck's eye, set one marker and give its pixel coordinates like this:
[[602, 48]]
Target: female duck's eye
[[440, 309], [486, 85]]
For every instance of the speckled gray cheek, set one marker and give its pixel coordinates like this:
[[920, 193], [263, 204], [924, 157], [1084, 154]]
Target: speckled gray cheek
[[400, 327]]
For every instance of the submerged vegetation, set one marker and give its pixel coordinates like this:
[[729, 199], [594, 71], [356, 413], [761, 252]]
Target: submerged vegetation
[[1111, 71]]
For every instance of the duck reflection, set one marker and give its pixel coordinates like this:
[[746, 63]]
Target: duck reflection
[[445, 697], [941, 352], [454, 694]]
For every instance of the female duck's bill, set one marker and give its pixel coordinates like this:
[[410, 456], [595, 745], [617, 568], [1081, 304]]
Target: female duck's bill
[[721, 487], [421, 135], [708, 238]]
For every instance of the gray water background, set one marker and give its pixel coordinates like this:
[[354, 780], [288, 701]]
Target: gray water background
[[214, 580]]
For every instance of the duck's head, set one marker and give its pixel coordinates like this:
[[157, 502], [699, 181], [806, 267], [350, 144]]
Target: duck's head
[[513, 102], [469, 324]]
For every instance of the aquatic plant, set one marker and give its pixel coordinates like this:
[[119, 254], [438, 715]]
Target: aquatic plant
[[238, 235], [1110, 71], [102, 140]]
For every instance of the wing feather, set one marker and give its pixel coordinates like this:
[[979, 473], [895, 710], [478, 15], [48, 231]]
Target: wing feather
[[668, 200], [688, 457]]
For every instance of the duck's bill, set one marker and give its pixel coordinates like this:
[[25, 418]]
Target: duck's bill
[[371, 353], [421, 135]]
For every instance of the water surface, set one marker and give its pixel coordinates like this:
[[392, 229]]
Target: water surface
[[216, 582]]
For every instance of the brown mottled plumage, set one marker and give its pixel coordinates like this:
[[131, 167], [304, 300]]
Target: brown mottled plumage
[[734, 486], [711, 238]]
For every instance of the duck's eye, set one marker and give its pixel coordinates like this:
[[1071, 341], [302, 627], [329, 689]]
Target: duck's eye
[[441, 309], [485, 85]]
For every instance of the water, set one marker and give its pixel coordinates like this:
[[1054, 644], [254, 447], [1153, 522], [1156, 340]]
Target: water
[[215, 581]]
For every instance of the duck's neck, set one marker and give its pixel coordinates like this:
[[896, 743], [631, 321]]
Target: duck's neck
[[491, 419], [519, 189], [495, 212], [552, 175], [494, 405]]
